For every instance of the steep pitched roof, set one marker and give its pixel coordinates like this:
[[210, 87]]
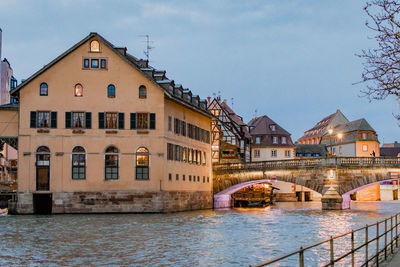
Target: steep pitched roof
[[171, 91], [262, 127], [357, 125]]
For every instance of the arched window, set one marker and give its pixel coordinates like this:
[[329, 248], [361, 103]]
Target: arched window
[[78, 163], [111, 163], [43, 168], [78, 90], [111, 91], [142, 163], [142, 92], [94, 46], [43, 89]]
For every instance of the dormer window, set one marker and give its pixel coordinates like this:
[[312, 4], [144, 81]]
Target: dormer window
[[364, 136], [94, 46], [258, 140], [275, 140], [272, 127], [78, 90], [142, 92], [284, 140]]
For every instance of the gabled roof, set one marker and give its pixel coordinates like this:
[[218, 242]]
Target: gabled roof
[[140, 65], [262, 127]]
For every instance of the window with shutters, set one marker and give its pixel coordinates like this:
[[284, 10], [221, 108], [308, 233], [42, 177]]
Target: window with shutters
[[78, 120], [111, 120], [142, 163], [78, 163], [111, 163], [43, 119]]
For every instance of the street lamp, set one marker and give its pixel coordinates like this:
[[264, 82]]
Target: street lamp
[[340, 136], [330, 131]]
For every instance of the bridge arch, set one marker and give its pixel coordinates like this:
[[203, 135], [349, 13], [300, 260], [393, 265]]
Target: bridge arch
[[223, 199]]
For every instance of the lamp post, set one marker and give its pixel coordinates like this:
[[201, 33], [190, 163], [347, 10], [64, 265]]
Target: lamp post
[[330, 131], [340, 136]]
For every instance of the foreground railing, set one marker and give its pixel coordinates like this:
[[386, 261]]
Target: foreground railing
[[365, 246], [299, 163]]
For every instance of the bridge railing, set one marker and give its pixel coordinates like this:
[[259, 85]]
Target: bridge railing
[[314, 162], [365, 246]]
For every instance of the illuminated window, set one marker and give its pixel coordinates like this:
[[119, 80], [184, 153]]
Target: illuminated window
[[44, 89], [111, 120], [111, 162], [365, 148], [111, 91], [94, 46], [142, 163], [78, 163], [142, 92], [142, 121], [78, 90]]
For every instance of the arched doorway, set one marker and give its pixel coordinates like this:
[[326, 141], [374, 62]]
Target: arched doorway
[[43, 169]]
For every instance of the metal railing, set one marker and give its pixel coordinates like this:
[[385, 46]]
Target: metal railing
[[315, 162], [373, 245]]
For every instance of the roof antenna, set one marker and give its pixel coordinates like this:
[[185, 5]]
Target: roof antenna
[[232, 101], [255, 113], [148, 47]]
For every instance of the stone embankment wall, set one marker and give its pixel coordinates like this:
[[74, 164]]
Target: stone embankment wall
[[118, 202]]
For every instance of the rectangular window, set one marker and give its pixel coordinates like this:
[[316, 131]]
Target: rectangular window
[[142, 120], [169, 176], [204, 158], [204, 179], [177, 126], [177, 177], [364, 136], [183, 177], [183, 128], [284, 140], [258, 140], [257, 153], [78, 166], [43, 119], [274, 153], [208, 179], [103, 63], [287, 153], [272, 127], [170, 151], [111, 120], [111, 167], [275, 140], [94, 63], [78, 120], [365, 148], [190, 178], [169, 124], [86, 63], [198, 178]]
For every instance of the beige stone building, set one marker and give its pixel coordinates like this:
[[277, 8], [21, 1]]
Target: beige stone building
[[102, 131]]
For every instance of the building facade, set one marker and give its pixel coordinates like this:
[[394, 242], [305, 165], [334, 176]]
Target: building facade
[[269, 140], [111, 134], [230, 137]]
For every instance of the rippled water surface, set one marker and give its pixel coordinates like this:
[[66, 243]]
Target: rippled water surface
[[236, 237]]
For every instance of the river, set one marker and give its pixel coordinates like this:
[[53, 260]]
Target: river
[[232, 237]]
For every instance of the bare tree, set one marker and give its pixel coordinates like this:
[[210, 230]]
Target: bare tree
[[381, 72]]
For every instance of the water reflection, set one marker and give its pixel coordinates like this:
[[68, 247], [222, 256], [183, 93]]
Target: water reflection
[[207, 238]]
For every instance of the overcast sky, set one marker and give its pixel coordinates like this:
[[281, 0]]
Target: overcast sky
[[291, 60]]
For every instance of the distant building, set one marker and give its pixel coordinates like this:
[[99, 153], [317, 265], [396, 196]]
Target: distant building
[[352, 139], [8, 161], [390, 150], [230, 139], [314, 135], [269, 140], [310, 151]]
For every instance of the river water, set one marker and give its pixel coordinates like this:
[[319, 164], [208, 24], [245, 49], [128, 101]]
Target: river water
[[232, 237]]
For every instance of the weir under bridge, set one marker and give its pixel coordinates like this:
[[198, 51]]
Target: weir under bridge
[[335, 178]]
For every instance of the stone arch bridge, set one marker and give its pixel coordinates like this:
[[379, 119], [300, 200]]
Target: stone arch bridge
[[335, 178]]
